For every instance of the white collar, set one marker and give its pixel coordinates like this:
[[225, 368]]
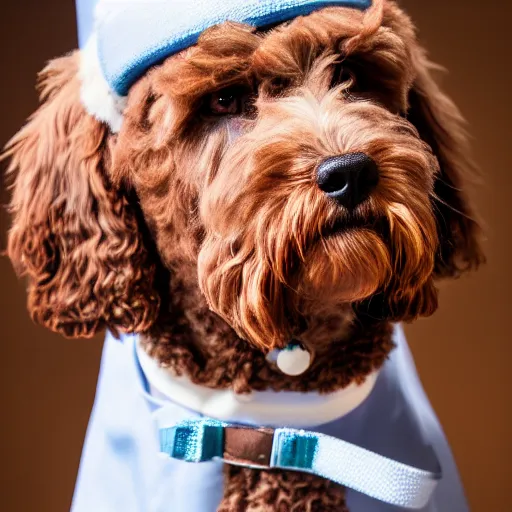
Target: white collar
[[262, 408]]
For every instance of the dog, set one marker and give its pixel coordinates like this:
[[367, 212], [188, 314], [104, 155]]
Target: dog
[[296, 187]]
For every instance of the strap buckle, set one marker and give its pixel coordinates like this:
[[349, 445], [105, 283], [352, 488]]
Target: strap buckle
[[204, 440], [246, 446]]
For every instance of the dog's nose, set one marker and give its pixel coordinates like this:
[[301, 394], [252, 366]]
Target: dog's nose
[[348, 178]]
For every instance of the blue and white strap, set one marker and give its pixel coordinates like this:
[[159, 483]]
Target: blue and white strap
[[299, 450]]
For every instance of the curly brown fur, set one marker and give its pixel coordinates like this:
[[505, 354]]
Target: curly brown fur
[[278, 491], [235, 250], [232, 200], [74, 236], [234, 197], [194, 341]]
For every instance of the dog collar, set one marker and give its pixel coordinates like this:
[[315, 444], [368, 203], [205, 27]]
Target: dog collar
[[269, 408], [349, 465], [130, 36]]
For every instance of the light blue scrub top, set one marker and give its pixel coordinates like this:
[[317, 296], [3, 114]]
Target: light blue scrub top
[[121, 469]]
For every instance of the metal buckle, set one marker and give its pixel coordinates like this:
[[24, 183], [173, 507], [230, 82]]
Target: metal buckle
[[248, 446]]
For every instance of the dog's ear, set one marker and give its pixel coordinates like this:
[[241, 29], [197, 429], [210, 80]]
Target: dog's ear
[[74, 235], [442, 127]]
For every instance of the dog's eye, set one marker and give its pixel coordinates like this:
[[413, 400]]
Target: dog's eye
[[228, 101]]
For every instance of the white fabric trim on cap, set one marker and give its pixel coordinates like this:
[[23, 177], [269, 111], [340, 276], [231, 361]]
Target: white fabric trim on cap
[[268, 408], [97, 97]]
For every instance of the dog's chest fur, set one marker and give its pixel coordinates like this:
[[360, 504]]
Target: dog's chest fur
[[191, 340]]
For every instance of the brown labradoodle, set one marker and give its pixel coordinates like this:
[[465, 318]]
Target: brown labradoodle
[[303, 182]]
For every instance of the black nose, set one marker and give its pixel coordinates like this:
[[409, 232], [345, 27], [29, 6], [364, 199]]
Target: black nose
[[349, 179]]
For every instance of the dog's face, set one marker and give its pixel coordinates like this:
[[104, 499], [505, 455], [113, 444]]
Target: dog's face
[[310, 171]]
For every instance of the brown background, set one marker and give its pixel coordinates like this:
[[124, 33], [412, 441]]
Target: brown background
[[463, 352]]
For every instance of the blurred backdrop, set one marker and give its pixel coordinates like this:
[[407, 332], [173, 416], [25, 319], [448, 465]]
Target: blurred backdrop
[[463, 353]]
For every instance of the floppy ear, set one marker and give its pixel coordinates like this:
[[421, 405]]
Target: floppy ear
[[74, 235], [441, 125]]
